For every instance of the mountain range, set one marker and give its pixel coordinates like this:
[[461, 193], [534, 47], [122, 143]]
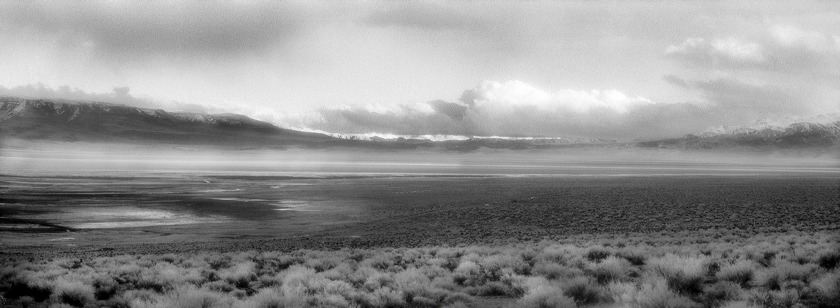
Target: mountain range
[[63, 120], [822, 132], [102, 122]]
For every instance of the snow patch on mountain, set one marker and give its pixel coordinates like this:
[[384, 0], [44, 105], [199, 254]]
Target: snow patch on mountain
[[772, 125]]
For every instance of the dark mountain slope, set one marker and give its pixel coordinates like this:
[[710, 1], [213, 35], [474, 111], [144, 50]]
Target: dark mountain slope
[[801, 135], [101, 122]]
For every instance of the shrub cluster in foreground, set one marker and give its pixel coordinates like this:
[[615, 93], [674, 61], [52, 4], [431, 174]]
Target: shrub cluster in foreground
[[792, 270]]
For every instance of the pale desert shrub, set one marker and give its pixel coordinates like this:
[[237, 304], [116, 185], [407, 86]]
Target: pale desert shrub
[[495, 266], [361, 275], [220, 286], [188, 297], [672, 275], [554, 271], [271, 298], [825, 291], [621, 293], [655, 293], [239, 275], [342, 271], [596, 254], [683, 274], [720, 292], [740, 272], [445, 282], [455, 298], [782, 272], [106, 287], [72, 292], [302, 282], [137, 296], [609, 269], [634, 256], [379, 280], [384, 297], [456, 305], [412, 281], [467, 273], [493, 288], [297, 281], [584, 291], [739, 304], [544, 294], [560, 254], [776, 298]]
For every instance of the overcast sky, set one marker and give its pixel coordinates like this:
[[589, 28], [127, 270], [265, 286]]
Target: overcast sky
[[623, 69]]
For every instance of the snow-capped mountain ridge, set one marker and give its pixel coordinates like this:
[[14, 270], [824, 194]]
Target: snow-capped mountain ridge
[[791, 133], [772, 125]]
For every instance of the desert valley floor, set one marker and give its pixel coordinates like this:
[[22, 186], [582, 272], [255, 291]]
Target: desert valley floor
[[517, 234]]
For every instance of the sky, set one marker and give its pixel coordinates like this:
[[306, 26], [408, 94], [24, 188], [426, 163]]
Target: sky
[[598, 69]]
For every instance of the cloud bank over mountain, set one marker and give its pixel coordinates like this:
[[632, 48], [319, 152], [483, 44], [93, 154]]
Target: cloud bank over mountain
[[600, 69], [515, 108], [119, 95]]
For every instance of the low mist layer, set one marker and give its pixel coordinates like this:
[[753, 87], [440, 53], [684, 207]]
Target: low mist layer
[[22, 157]]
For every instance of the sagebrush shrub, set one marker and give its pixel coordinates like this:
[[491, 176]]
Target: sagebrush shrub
[[544, 294], [683, 274], [610, 269], [670, 274], [720, 292], [555, 271], [655, 293], [740, 272], [597, 254], [825, 292], [775, 298], [584, 291], [829, 259], [782, 272], [74, 293]]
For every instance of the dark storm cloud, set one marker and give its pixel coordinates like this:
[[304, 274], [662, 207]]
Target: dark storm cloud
[[452, 110], [140, 29]]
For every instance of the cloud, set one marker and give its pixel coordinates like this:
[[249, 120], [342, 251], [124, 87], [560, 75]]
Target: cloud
[[735, 101], [513, 94], [779, 71], [783, 49], [791, 36], [141, 29], [517, 109], [119, 95], [719, 51]]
